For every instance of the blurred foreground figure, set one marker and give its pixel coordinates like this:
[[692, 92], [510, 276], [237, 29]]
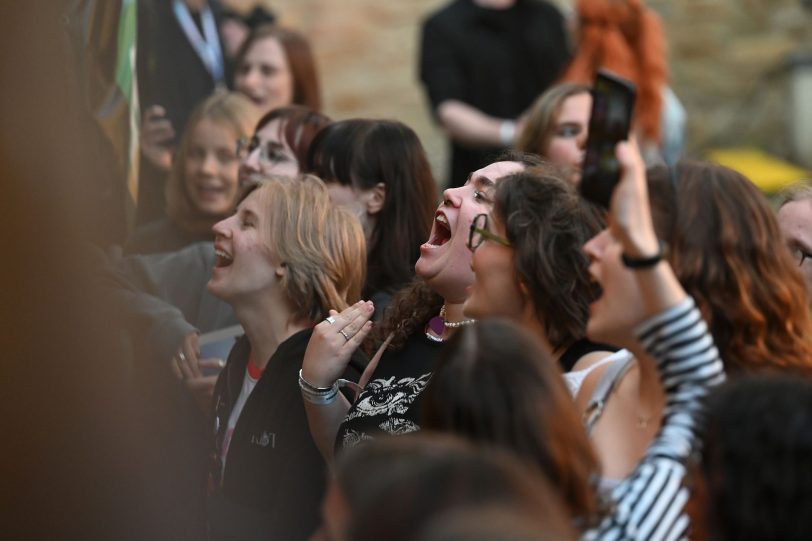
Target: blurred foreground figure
[[76, 464]]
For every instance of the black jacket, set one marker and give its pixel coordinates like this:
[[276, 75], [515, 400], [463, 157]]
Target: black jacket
[[274, 477]]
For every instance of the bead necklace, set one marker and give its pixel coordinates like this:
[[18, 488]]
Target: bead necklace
[[434, 330]]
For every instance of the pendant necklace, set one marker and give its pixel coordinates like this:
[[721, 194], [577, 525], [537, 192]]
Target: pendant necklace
[[438, 324]]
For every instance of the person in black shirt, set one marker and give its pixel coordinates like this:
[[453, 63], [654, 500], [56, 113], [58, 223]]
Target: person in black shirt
[[482, 63]]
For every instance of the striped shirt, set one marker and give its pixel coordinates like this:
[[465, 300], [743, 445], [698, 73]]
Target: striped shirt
[[649, 503]]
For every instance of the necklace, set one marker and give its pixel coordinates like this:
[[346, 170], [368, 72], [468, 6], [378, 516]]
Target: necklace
[[454, 324], [437, 324]]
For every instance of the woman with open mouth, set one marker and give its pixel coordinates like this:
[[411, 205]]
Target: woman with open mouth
[[283, 260], [420, 318], [202, 186]]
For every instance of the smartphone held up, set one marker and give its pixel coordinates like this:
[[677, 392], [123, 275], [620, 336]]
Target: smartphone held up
[[609, 123]]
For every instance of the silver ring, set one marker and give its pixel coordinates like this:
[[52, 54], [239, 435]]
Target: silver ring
[[181, 357], [344, 334], [330, 319]]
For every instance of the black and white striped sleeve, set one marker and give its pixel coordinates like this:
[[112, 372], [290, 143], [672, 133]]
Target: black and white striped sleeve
[[649, 504]]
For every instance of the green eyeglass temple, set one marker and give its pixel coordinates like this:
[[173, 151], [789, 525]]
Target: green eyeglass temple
[[483, 233]]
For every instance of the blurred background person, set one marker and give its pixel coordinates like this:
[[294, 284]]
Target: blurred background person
[[627, 38], [274, 67], [556, 127], [235, 28], [795, 221], [482, 62], [203, 187], [180, 61]]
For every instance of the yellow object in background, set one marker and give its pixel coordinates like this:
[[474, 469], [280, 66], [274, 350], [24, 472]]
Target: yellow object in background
[[769, 173]]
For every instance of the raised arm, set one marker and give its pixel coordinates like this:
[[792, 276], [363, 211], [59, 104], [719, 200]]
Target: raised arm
[[328, 354], [649, 503]]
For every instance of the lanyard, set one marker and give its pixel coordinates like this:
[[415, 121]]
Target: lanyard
[[208, 48]]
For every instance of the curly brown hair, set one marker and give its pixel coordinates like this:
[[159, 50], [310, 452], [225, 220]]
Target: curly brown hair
[[408, 312], [725, 249], [547, 224]]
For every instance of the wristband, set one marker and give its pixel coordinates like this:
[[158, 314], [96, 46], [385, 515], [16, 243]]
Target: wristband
[[645, 262], [325, 395], [507, 132]]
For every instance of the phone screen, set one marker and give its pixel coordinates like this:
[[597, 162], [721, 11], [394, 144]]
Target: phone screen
[[612, 107]]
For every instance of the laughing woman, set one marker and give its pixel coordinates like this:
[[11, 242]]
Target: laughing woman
[[284, 259], [202, 187]]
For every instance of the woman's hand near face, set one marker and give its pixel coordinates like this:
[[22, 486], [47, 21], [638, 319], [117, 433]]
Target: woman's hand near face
[[332, 344]]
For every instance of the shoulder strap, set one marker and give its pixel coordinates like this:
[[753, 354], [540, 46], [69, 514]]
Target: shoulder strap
[[600, 395]]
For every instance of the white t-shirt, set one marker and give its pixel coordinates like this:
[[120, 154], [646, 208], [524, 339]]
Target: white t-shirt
[[248, 383]]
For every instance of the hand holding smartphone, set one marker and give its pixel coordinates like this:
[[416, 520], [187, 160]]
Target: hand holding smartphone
[[609, 123]]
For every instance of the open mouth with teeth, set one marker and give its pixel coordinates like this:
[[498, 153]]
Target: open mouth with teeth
[[222, 258], [211, 192], [441, 233]]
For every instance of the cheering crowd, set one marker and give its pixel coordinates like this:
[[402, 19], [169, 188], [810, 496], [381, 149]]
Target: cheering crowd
[[501, 359]]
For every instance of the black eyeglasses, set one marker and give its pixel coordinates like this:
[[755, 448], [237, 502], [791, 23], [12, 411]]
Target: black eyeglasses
[[479, 232]]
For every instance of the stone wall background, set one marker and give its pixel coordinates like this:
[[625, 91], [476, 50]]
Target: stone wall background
[[725, 58]]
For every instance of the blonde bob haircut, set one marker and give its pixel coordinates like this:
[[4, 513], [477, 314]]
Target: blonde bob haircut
[[321, 244], [539, 126], [230, 111]]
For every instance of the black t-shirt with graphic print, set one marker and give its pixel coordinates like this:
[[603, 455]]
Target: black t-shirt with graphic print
[[390, 402]]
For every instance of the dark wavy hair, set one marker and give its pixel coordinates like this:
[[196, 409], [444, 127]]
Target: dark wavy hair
[[306, 88], [727, 251], [361, 153], [495, 384], [756, 459], [412, 307], [395, 486], [547, 224]]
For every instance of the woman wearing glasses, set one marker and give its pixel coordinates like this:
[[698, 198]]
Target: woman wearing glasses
[[529, 267], [419, 319]]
